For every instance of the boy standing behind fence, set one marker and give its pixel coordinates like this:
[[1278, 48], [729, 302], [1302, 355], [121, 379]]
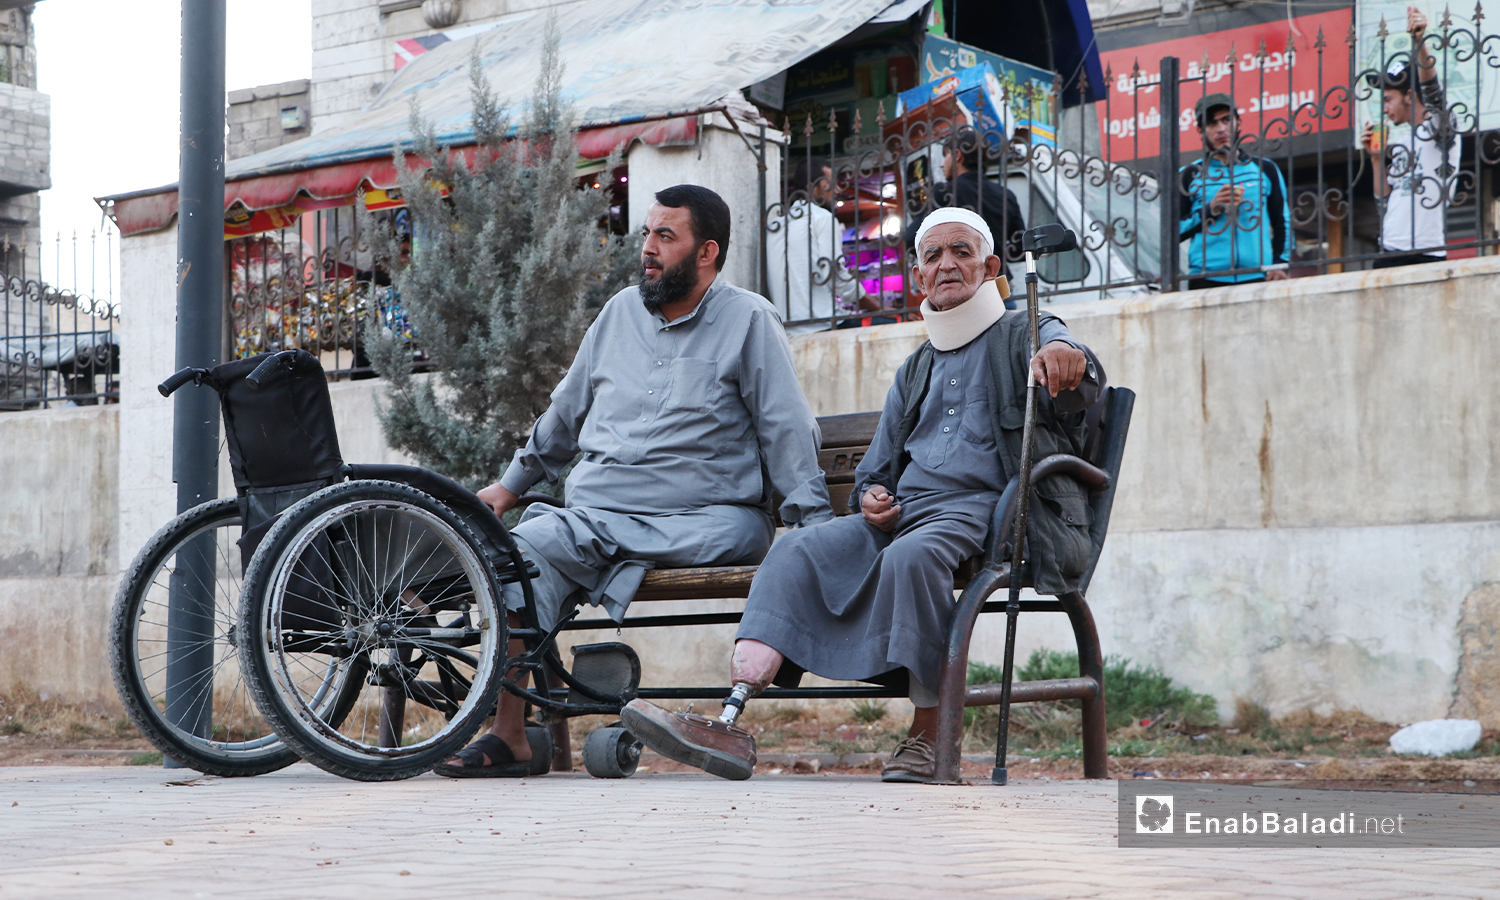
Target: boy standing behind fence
[[1234, 206], [1415, 190]]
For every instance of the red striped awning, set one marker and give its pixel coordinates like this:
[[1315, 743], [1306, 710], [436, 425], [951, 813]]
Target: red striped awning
[[269, 202]]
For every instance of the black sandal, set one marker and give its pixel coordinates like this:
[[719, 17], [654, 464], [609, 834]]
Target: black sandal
[[503, 763]]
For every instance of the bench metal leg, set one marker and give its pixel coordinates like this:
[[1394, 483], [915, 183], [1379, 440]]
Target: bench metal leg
[[954, 687], [562, 741], [392, 716], [954, 693], [393, 704], [1090, 665]]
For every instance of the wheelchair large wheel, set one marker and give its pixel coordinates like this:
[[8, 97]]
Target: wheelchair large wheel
[[195, 555], [374, 588]]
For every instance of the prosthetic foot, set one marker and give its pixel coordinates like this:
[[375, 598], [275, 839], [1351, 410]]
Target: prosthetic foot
[[716, 747], [753, 667]]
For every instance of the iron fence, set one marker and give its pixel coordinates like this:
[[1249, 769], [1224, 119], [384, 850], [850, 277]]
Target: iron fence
[[311, 286], [59, 346], [1297, 189]]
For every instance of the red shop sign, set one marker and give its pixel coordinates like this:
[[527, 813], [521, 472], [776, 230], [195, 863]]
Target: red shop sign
[[1266, 88]]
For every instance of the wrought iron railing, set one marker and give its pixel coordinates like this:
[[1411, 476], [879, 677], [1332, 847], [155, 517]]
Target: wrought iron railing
[[1302, 189], [59, 346], [311, 285]]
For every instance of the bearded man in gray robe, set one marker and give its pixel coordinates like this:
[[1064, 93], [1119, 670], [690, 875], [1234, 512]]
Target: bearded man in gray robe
[[681, 396], [865, 597]]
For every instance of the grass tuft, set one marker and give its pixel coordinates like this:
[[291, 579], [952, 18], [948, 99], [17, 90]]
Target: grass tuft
[[149, 758], [1250, 717], [868, 712]]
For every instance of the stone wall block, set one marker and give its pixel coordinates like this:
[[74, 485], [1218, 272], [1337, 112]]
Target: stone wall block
[[1477, 691]]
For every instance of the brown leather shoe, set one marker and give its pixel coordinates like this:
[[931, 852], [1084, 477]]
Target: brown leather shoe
[[707, 744], [914, 762]]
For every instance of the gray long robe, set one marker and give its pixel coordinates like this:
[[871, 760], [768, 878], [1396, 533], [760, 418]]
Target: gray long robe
[[685, 428], [847, 601]]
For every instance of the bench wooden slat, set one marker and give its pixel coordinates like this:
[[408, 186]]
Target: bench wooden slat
[[702, 583], [838, 497], [727, 582], [838, 463], [848, 429]]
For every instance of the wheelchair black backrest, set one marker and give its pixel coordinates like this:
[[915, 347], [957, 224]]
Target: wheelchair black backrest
[[279, 427]]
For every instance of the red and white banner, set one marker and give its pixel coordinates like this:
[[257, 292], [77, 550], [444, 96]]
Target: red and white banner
[[1265, 88]]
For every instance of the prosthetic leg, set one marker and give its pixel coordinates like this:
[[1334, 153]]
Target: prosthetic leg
[[753, 667], [717, 746]]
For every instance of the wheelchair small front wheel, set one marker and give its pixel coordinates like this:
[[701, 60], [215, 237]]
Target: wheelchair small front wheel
[[611, 753], [372, 630], [194, 557]]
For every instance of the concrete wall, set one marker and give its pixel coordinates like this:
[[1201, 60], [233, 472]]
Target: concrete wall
[[1309, 507], [25, 139], [722, 162], [148, 293], [258, 121], [25, 169], [17, 47], [57, 549]]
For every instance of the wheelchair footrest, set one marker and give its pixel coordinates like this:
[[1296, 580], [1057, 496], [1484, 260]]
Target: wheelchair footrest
[[609, 669]]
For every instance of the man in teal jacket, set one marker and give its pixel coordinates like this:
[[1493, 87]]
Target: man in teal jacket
[[1234, 206]]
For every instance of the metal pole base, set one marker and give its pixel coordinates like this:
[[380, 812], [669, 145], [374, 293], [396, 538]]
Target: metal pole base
[[999, 776]]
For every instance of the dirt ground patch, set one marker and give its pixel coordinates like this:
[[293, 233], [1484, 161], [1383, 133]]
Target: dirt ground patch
[[1343, 749]]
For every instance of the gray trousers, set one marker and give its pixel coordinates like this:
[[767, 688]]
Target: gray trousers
[[600, 557]]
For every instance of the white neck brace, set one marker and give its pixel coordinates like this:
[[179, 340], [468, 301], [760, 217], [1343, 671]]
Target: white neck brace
[[952, 328]]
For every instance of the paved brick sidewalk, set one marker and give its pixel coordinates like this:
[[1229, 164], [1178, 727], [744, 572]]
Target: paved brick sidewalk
[[123, 832]]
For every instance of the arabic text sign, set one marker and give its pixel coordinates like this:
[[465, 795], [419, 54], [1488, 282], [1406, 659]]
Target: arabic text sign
[[942, 58], [1265, 88]]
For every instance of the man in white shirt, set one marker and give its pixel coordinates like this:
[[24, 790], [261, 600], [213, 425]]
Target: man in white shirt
[[806, 279], [1416, 184]]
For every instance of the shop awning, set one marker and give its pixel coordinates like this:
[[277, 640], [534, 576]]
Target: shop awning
[[633, 69], [261, 203]]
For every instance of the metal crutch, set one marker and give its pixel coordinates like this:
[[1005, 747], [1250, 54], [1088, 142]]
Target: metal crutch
[[1039, 241]]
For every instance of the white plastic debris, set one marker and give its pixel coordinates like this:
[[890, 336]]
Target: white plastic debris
[[1437, 737]]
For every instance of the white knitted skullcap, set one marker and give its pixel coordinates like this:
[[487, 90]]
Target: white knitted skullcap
[[962, 216]]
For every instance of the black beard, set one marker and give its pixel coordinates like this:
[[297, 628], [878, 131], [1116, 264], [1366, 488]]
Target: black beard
[[670, 286]]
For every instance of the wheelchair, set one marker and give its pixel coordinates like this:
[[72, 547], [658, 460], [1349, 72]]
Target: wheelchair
[[185, 586], [370, 629]]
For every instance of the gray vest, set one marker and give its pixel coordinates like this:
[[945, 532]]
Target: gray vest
[[1058, 524]]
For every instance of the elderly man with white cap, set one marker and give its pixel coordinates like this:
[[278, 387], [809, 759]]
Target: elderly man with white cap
[[869, 597]]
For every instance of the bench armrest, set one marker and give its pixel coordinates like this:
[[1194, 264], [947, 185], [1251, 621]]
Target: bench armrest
[[1004, 521]]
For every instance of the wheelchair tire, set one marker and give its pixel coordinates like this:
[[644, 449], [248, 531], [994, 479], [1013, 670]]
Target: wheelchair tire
[[611, 753], [373, 592], [540, 740], [239, 740]]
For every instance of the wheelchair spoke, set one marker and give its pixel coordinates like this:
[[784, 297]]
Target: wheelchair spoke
[[377, 560]]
